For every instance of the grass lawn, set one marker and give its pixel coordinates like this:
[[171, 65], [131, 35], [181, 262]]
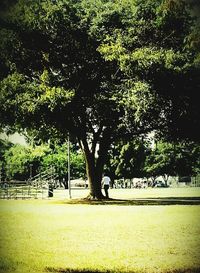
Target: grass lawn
[[134, 193], [51, 236]]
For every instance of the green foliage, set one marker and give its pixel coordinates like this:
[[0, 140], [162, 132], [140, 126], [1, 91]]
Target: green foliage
[[175, 159], [139, 158], [187, 159], [160, 161], [58, 158], [160, 48], [17, 163], [19, 159], [21, 162], [77, 166], [4, 146], [127, 159]]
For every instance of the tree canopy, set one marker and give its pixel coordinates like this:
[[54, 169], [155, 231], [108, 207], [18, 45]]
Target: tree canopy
[[99, 70]]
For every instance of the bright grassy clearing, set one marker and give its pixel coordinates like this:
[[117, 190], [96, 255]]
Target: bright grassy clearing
[[134, 193], [155, 193], [40, 234]]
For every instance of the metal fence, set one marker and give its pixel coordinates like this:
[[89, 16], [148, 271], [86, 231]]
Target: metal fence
[[24, 190], [39, 186]]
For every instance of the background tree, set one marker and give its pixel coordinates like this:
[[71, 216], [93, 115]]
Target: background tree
[[160, 161], [99, 70], [172, 159], [187, 159], [127, 159], [4, 146], [22, 162], [58, 159]]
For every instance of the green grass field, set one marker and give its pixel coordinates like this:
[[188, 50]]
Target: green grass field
[[52, 236], [134, 193]]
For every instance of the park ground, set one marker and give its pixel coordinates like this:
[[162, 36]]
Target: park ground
[[61, 235]]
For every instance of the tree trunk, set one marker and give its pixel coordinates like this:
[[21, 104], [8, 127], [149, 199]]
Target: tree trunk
[[94, 167], [94, 174], [94, 178]]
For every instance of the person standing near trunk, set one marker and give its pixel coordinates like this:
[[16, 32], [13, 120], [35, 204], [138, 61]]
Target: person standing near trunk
[[106, 183]]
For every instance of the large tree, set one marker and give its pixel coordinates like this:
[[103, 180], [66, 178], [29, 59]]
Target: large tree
[[95, 69]]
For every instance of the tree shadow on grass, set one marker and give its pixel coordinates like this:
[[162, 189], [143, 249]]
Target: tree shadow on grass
[[68, 270], [138, 201]]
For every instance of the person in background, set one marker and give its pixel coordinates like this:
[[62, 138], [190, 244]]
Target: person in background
[[106, 183]]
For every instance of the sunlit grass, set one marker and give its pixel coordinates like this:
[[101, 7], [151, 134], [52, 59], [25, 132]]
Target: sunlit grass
[[156, 192], [134, 193], [43, 235]]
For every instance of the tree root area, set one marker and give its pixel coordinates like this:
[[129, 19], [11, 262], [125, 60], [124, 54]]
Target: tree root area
[[90, 197]]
